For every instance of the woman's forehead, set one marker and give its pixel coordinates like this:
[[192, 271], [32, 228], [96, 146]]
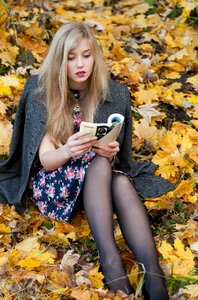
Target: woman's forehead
[[81, 46]]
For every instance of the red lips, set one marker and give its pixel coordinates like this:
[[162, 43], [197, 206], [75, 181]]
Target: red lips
[[80, 73]]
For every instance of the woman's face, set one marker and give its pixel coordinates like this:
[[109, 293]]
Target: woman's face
[[80, 64]]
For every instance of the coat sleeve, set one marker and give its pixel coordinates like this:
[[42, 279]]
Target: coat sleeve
[[124, 155]]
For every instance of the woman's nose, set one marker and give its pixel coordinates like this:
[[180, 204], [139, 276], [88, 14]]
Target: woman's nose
[[80, 63]]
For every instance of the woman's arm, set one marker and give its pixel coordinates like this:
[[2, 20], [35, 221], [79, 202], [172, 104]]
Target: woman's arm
[[52, 158]]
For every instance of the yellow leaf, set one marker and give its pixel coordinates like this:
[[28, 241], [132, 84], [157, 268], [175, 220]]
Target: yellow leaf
[[5, 90], [146, 132], [82, 294], [4, 228], [28, 244], [172, 42], [187, 7], [36, 259], [58, 237], [193, 80], [133, 275], [146, 48], [96, 278], [3, 258], [117, 51], [195, 123], [183, 253], [171, 75], [3, 14], [9, 80], [193, 99], [174, 86], [8, 53], [165, 249], [146, 96], [178, 150], [179, 259], [178, 55]]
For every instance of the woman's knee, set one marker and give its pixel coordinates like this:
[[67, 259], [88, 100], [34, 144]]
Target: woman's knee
[[120, 182], [100, 163]]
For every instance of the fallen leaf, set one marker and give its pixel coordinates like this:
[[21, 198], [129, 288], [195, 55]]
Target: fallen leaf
[[147, 111], [96, 278], [70, 259]]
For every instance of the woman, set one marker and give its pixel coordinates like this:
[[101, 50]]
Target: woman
[[51, 157]]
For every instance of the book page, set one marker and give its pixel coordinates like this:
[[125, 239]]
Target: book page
[[105, 132]]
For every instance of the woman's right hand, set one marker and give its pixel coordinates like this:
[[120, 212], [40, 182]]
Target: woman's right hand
[[78, 143]]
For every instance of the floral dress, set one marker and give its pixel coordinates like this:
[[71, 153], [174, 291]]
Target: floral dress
[[55, 192]]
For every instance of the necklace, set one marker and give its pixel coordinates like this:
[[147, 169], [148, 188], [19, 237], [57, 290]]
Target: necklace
[[76, 94]]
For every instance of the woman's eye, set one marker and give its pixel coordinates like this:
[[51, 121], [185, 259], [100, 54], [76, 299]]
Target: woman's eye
[[87, 56], [70, 57]]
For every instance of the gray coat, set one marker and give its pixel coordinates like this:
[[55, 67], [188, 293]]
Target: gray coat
[[28, 131]]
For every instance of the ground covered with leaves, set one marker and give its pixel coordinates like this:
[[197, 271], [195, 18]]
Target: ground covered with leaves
[[151, 46]]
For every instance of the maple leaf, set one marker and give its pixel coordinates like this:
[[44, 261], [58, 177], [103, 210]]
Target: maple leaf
[[96, 278], [193, 80], [35, 259], [176, 150], [69, 260], [139, 50], [179, 259], [28, 245], [147, 111], [83, 294], [146, 96], [188, 231], [4, 228], [151, 134]]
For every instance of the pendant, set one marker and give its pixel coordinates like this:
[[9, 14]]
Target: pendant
[[76, 108]]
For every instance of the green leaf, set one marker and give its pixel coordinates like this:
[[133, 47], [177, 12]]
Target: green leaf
[[176, 12], [150, 2], [151, 11], [48, 225]]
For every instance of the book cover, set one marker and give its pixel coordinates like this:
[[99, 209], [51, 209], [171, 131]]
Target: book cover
[[105, 132]]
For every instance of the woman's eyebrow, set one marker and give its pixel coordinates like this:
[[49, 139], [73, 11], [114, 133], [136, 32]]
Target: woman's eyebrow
[[82, 51]]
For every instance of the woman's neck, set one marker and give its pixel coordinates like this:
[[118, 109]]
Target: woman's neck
[[78, 86]]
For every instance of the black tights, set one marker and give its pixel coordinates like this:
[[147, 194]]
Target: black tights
[[103, 192]]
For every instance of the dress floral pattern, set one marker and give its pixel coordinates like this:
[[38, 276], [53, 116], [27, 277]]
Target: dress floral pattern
[[55, 192]]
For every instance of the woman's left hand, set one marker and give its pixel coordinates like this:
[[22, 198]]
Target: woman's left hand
[[108, 151]]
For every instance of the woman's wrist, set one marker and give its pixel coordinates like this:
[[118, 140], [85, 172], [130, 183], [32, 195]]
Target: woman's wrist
[[66, 154]]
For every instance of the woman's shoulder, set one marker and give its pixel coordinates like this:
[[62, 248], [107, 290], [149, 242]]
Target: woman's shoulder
[[117, 86], [118, 89]]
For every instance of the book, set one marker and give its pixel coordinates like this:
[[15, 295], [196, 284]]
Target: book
[[105, 132]]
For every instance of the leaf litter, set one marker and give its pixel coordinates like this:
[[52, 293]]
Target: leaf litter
[[151, 47]]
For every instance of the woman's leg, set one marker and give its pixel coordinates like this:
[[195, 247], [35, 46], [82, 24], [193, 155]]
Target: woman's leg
[[99, 211], [136, 230]]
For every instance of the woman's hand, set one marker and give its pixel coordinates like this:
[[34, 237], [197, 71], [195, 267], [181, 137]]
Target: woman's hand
[[78, 143], [108, 151]]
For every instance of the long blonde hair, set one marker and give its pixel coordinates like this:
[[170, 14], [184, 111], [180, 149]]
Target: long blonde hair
[[53, 82]]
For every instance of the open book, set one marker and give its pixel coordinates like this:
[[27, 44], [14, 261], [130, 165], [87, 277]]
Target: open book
[[105, 132]]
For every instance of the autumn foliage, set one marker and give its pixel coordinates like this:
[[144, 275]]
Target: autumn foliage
[[151, 46]]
